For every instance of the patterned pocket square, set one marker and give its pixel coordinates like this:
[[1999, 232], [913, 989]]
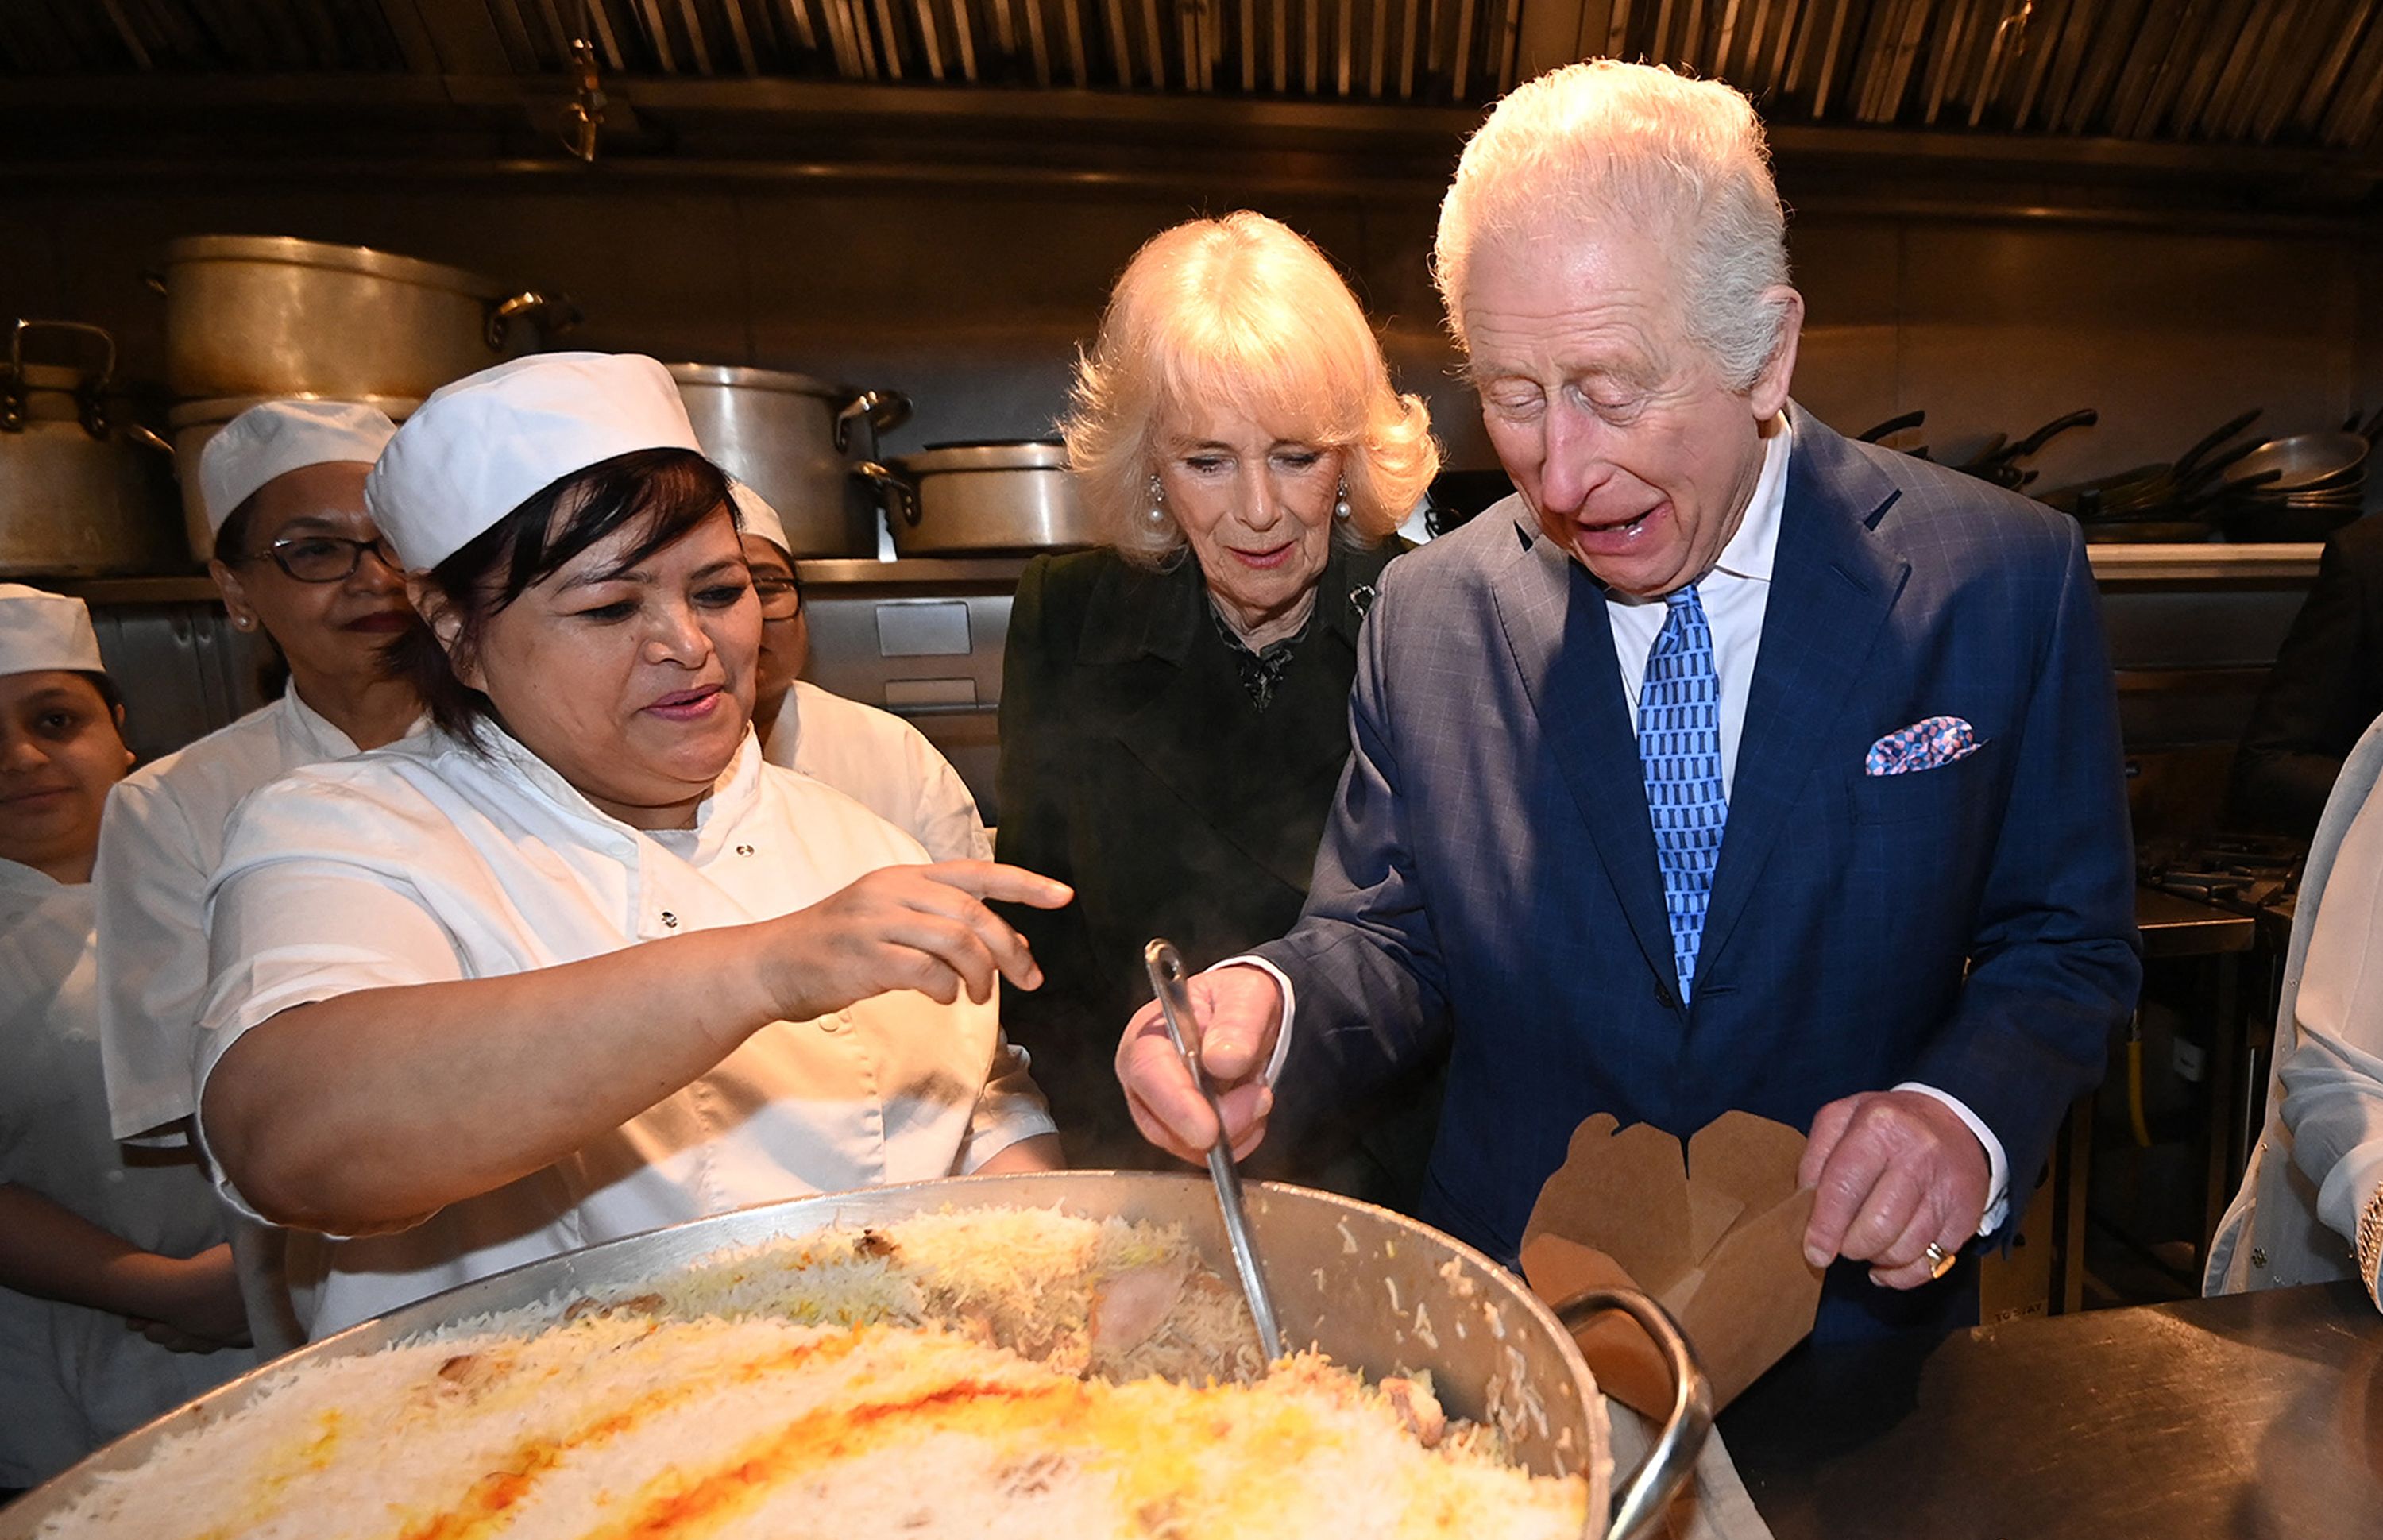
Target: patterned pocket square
[[1924, 745]]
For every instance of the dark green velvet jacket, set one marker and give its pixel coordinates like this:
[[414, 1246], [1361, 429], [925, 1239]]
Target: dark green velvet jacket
[[1135, 767]]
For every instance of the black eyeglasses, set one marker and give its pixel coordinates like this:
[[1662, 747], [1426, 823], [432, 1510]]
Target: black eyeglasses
[[781, 598], [325, 557]]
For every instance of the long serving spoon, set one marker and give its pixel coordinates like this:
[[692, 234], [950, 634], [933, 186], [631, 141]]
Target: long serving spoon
[[1166, 976]]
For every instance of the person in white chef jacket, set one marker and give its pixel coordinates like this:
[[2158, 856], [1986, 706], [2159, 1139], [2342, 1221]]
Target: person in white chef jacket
[[2310, 1209], [116, 1296], [298, 560], [872, 757], [577, 962]]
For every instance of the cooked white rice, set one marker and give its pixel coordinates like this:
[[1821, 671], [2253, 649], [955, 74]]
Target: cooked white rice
[[844, 1384]]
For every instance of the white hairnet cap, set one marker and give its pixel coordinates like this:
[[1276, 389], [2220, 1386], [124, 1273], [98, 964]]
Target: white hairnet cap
[[267, 440], [478, 449], [755, 516], [41, 630]]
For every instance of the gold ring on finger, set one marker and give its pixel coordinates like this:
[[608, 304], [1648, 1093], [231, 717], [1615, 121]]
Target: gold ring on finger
[[1939, 1260]]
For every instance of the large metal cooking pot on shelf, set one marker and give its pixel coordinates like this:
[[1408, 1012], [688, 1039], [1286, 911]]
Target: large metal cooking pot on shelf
[[797, 442], [192, 424], [275, 315], [1000, 495], [1376, 1290], [84, 490]]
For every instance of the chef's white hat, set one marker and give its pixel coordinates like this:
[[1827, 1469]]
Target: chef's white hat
[[265, 441], [755, 516], [41, 630], [478, 449]]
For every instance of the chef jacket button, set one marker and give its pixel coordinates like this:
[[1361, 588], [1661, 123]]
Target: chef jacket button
[[743, 850], [669, 919]]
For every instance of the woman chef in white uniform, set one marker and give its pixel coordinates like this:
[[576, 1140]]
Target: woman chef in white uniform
[[873, 756], [116, 1299], [296, 559], [576, 963]]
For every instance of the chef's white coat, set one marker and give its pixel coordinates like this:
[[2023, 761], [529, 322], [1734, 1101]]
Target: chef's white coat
[[884, 764], [73, 1378], [426, 861], [159, 844]]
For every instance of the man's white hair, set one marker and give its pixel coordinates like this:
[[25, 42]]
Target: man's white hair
[[1611, 145]]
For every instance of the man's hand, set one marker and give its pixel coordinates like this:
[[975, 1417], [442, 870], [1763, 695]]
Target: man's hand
[[1893, 1171], [1237, 1017]]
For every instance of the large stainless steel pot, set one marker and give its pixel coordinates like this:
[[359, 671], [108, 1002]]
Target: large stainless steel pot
[[192, 424], [84, 490], [274, 315], [796, 441], [1005, 495], [1376, 1290]]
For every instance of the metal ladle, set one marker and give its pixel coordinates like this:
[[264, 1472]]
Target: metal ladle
[[1166, 976]]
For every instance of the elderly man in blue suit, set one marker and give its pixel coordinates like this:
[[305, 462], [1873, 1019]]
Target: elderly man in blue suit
[[1729, 765]]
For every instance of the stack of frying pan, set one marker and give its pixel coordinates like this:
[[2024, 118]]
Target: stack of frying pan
[[2165, 502], [2302, 487]]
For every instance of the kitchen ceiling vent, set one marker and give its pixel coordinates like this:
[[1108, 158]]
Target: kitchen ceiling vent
[[2296, 72]]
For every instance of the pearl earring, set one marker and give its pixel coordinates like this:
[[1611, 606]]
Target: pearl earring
[[243, 622], [1157, 513], [1340, 502]]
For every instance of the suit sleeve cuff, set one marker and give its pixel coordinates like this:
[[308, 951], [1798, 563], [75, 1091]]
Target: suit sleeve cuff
[[1997, 1162], [1289, 1009]]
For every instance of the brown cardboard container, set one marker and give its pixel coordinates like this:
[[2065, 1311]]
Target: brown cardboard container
[[1716, 1237]]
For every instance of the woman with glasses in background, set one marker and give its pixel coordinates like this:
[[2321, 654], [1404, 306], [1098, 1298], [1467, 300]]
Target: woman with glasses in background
[[872, 757], [296, 557]]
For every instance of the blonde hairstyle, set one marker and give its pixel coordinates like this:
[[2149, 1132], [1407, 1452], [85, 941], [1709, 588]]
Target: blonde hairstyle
[[1611, 144], [1239, 313]]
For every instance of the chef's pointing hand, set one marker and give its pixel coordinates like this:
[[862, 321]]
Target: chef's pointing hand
[[922, 928], [1237, 1017], [1891, 1172]]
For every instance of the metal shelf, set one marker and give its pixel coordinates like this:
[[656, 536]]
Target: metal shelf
[[2204, 563]]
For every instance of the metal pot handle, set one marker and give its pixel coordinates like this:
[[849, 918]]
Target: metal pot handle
[[1674, 1458], [13, 411], [892, 492], [17, 346], [556, 314], [885, 410]]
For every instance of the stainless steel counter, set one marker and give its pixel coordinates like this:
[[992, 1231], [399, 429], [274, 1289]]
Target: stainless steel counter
[[2251, 1415], [2174, 927]]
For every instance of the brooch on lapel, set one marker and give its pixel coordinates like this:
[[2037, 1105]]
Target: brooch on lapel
[[1361, 600]]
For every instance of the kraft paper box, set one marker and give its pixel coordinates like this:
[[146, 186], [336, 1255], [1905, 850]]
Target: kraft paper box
[[1717, 1238]]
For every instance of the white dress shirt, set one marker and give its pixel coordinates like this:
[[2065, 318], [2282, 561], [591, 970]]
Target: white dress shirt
[[1735, 595], [73, 1378], [884, 764], [426, 862]]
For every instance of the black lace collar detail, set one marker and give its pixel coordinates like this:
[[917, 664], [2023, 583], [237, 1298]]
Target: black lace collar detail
[[1261, 670]]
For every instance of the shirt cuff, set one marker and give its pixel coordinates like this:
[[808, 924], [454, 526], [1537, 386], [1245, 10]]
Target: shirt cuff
[[1289, 1009], [1997, 1164]]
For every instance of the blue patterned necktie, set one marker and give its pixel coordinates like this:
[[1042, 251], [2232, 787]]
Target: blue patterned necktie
[[1679, 745]]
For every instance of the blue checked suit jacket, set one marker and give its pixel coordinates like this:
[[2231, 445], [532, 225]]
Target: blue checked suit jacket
[[1489, 876]]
